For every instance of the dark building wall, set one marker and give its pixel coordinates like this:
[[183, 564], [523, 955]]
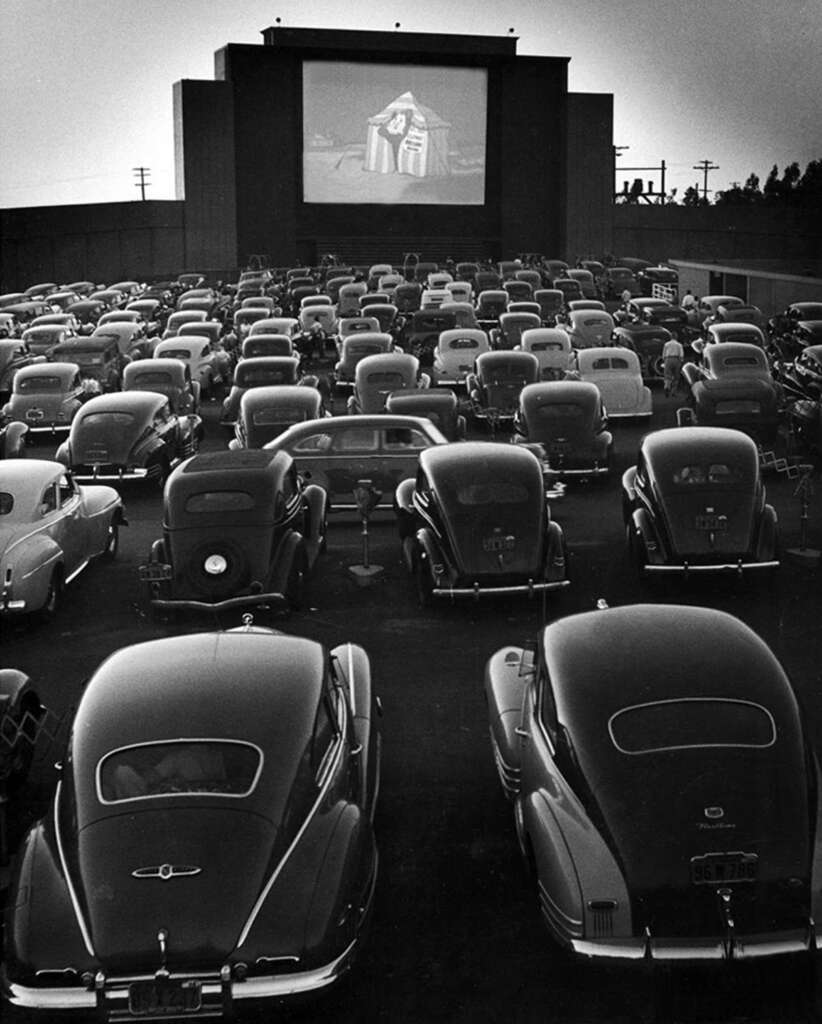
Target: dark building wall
[[590, 200], [99, 242], [205, 178], [717, 232]]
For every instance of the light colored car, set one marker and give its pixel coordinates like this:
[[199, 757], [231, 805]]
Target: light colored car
[[585, 278], [209, 364], [46, 396], [50, 529], [617, 373], [553, 349], [589, 328], [454, 356]]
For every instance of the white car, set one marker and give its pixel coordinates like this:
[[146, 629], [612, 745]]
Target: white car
[[618, 376], [456, 351], [553, 349]]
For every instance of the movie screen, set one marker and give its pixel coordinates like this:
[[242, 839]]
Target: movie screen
[[392, 133]]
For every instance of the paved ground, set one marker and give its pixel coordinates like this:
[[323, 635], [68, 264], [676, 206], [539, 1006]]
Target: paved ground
[[456, 933]]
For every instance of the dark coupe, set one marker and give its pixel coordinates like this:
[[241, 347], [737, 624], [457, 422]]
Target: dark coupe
[[475, 522], [211, 844], [665, 796], [695, 503]]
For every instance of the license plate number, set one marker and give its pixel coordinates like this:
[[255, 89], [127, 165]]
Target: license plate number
[[163, 998], [155, 571], [713, 523], [719, 868], [34, 414], [499, 543], [557, 447]]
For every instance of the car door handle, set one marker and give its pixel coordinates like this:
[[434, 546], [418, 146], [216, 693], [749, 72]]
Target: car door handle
[[522, 732]]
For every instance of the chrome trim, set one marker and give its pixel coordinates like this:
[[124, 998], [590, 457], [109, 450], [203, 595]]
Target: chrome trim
[[134, 474], [718, 567], [295, 841], [477, 591], [216, 606], [714, 948], [78, 913]]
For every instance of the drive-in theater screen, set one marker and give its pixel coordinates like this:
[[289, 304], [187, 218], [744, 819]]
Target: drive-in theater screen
[[393, 133]]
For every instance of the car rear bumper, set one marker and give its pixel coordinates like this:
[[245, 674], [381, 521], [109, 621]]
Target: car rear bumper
[[686, 569], [477, 591], [113, 474], [241, 601], [717, 948], [221, 994]]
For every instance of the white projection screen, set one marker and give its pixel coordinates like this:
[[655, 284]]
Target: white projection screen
[[394, 133]]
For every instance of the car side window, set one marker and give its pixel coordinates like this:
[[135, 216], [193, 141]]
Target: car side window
[[403, 438], [323, 738], [48, 503], [545, 703], [66, 490]]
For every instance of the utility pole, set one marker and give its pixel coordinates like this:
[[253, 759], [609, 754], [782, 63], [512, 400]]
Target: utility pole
[[142, 173], [705, 166]]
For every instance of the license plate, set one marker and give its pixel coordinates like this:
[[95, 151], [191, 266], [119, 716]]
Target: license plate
[[719, 868], [557, 447], [155, 571], [499, 543], [34, 414], [713, 523], [163, 998], [96, 455]]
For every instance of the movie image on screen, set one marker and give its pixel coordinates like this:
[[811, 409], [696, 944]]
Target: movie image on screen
[[394, 133]]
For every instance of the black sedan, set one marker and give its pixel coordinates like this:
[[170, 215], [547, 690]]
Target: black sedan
[[127, 435], [694, 503], [597, 726], [211, 842], [475, 522]]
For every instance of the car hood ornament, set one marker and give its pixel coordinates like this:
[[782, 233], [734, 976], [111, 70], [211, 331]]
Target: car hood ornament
[[166, 871]]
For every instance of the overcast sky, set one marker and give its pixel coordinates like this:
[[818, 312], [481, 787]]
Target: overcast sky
[[86, 85]]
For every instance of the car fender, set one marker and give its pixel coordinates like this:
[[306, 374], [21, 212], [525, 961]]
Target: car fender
[[14, 440], [508, 673], [283, 561], [556, 564], [44, 927], [692, 374], [644, 531], [353, 665], [32, 560], [767, 544], [99, 499], [316, 499], [404, 507], [430, 550]]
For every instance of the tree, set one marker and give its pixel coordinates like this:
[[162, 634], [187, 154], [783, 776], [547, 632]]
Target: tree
[[691, 197]]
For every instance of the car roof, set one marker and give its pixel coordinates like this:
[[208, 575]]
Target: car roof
[[586, 358], [276, 394], [363, 421], [49, 369], [471, 459], [670, 445], [143, 403]]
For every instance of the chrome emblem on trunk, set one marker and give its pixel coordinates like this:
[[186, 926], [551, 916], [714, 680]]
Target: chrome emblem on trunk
[[714, 812], [166, 871]]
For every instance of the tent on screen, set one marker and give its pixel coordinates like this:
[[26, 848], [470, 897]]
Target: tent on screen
[[408, 138]]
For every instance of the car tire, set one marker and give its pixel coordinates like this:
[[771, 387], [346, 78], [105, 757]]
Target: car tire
[[112, 542], [423, 581]]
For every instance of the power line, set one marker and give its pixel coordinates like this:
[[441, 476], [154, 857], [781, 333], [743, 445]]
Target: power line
[[142, 173], [705, 166]]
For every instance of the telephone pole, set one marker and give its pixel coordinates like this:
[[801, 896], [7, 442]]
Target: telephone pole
[[142, 173], [705, 166]]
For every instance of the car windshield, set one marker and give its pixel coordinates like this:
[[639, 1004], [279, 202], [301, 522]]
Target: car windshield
[[689, 723], [173, 768], [39, 384]]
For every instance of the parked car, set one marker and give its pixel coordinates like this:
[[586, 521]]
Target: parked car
[[339, 451], [594, 728], [182, 316], [14, 355], [551, 302], [422, 331], [585, 279], [266, 345], [258, 371], [474, 521], [127, 435], [210, 364], [552, 347], [707, 306], [781, 326], [616, 280], [131, 338], [717, 333], [495, 384], [169, 377], [268, 741], [802, 378], [659, 279], [267, 411], [239, 529], [565, 424], [439, 405], [46, 397], [733, 387], [99, 357], [672, 318], [87, 311], [9, 327], [589, 328], [378, 376], [695, 503], [647, 341], [511, 328], [570, 288], [802, 334], [42, 340], [456, 353], [13, 438], [50, 529], [356, 346], [618, 375]]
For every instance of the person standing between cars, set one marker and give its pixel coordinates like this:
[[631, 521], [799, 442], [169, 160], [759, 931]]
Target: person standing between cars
[[688, 301], [672, 356]]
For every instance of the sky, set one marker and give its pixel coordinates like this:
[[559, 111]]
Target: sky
[[86, 85]]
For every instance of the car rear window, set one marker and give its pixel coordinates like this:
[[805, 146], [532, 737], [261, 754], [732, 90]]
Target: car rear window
[[556, 411], [275, 417], [112, 420], [492, 492], [219, 501], [737, 407], [463, 343], [689, 723], [617, 363], [39, 384], [153, 380], [694, 474], [177, 353], [178, 767], [6, 503]]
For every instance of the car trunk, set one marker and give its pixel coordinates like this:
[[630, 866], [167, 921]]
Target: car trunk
[[218, 860], [497, 543], [705, 525]]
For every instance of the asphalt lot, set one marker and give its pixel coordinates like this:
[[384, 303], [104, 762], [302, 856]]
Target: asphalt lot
[[456, 933]]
